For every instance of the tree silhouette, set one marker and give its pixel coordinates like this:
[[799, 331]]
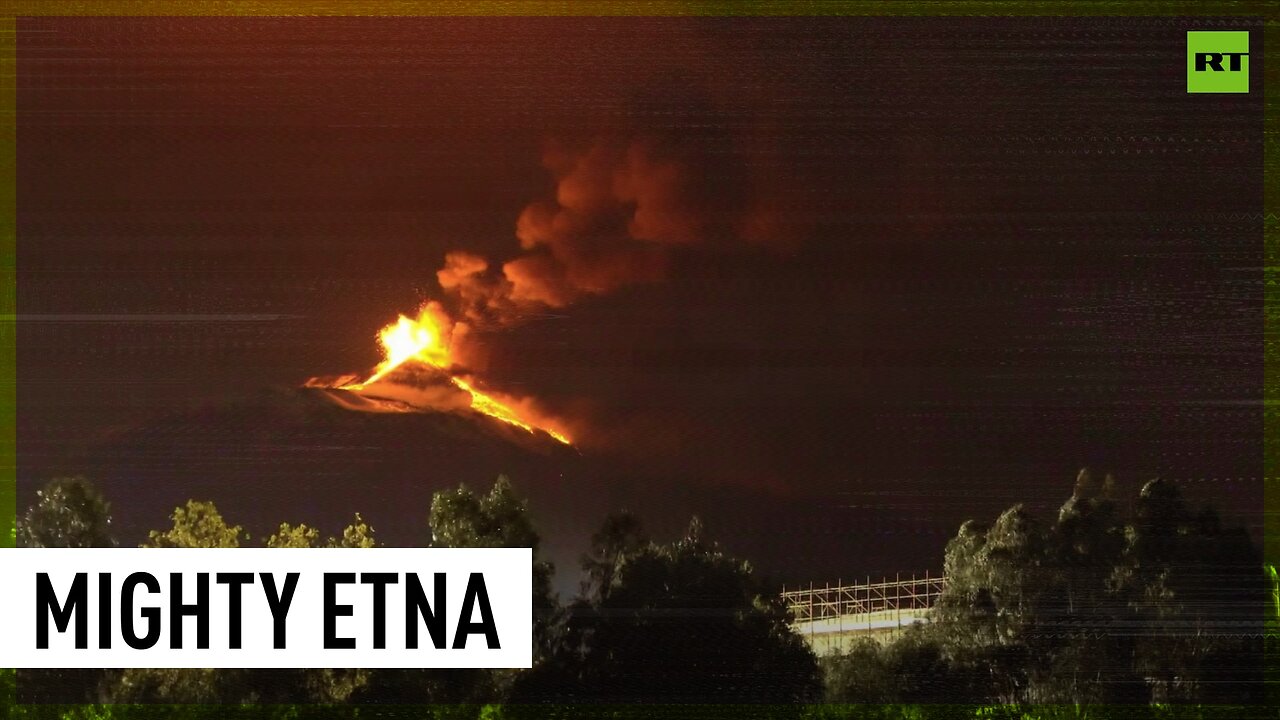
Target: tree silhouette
[[1144, 603], [69, 513], [199, 524], [680, 622], [461, 518], [620, 535]]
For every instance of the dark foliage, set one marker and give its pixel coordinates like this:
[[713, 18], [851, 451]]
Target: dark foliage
[[676, 623], [1147, 604], [1141, 604]]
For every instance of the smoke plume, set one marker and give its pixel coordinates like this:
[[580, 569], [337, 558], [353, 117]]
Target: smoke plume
[[619, 212]]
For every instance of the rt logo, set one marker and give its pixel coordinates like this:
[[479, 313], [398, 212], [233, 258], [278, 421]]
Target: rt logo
[[1218, 62]]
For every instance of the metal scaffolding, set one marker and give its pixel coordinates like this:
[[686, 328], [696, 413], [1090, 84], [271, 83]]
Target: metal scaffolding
[[821, 603]]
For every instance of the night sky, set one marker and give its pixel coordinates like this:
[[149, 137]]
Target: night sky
[[836, 285]]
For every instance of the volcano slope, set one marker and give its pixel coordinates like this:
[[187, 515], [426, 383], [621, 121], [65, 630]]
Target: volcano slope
[[301, 455], [317, 455]]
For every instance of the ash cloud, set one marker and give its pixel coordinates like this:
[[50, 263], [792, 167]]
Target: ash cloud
[[621, 208]]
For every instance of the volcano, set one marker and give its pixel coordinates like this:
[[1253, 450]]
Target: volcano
[[418, 372], [312, 455], [318, 455], [419, 423], [410, 387]]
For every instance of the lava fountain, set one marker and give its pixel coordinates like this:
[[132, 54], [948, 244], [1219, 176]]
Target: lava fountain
[[427, 339]]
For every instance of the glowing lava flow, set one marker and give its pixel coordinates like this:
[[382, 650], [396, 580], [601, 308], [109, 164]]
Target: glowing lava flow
[[425, 339]]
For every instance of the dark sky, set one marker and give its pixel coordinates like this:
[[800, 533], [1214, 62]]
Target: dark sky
[[867, 276]]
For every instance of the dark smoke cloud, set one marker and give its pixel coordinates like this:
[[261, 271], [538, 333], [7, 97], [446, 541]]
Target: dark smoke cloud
[[621, 209], [690, 177]]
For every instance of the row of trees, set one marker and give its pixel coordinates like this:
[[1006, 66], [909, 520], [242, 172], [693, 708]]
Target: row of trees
[[1113, 602], [680, 621], [1142, 603]]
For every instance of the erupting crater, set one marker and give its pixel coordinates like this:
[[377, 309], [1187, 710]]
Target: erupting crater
[[417, 373]]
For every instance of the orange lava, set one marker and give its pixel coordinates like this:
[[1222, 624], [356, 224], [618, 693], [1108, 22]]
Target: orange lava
[[426, 339]]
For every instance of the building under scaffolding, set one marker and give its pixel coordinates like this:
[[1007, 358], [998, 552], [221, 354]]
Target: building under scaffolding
[[834, 618]]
